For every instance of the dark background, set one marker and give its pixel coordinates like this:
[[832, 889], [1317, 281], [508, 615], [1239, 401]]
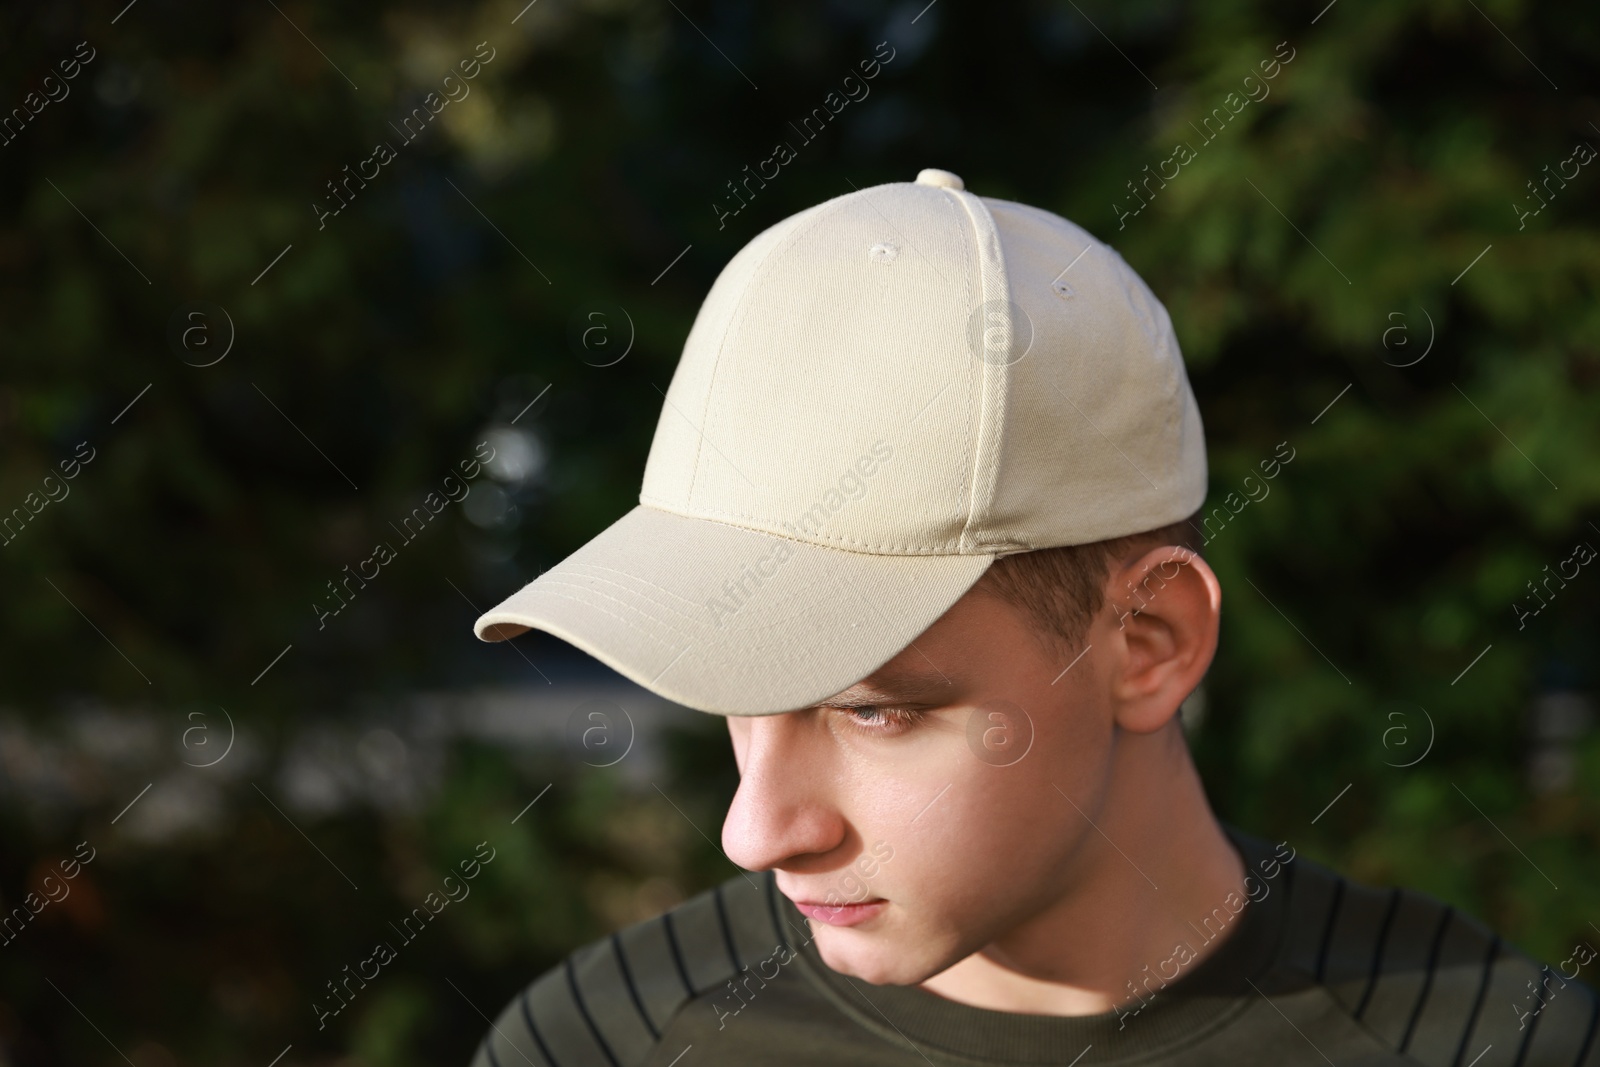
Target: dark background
[[1356, 239]]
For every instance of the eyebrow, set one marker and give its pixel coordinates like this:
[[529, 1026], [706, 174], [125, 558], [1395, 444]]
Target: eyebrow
[[888, 687]]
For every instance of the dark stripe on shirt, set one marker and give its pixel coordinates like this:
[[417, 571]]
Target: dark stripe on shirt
[[1327, 930], [727, 932], [1427, 979], [488, 1047], [533, 1029], [1527, 1038], [633, 991], [1377, 951], [1477, 1003], [583, 1011], [677, 953]]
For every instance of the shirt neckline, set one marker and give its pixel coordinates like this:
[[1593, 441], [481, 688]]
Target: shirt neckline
[[1208, 997]]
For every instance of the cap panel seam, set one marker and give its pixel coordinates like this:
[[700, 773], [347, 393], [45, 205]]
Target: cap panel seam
[[1176, 388], [964, 491], [969, 449], [992, 279]]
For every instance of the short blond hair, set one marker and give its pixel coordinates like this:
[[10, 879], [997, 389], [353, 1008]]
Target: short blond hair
[[1061, 590]]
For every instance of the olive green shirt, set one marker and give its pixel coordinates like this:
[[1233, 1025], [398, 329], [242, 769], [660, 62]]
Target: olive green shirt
[[1314, 970]]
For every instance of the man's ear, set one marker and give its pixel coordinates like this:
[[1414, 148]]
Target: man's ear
[[1166, 608]]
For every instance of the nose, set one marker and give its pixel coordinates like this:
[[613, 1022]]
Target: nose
[[783, 811]]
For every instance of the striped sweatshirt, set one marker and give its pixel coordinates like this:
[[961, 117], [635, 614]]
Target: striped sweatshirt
[[1321, 970]]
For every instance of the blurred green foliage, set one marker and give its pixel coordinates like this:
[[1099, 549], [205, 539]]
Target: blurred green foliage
[[1379, 187]]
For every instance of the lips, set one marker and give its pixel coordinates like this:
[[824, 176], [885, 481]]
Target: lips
[[842, 914]]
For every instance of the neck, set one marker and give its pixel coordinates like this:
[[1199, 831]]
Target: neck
[[1155, 871]]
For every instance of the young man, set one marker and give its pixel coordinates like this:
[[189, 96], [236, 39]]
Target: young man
[[914, 520]]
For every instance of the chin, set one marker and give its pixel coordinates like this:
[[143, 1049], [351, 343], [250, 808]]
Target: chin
[[875, 958]]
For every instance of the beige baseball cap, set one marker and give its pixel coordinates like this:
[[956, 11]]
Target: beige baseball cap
[[879, 397]]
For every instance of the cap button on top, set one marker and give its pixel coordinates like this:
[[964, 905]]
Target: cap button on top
[[941, 179]]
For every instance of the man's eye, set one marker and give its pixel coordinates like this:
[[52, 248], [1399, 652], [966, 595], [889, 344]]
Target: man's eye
[[882, 720]]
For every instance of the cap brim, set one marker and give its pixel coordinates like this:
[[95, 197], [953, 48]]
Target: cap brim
[[730, 620]]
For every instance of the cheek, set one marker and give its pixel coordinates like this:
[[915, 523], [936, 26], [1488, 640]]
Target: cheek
[[974, 832], [994, 831], [1004, 832]]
